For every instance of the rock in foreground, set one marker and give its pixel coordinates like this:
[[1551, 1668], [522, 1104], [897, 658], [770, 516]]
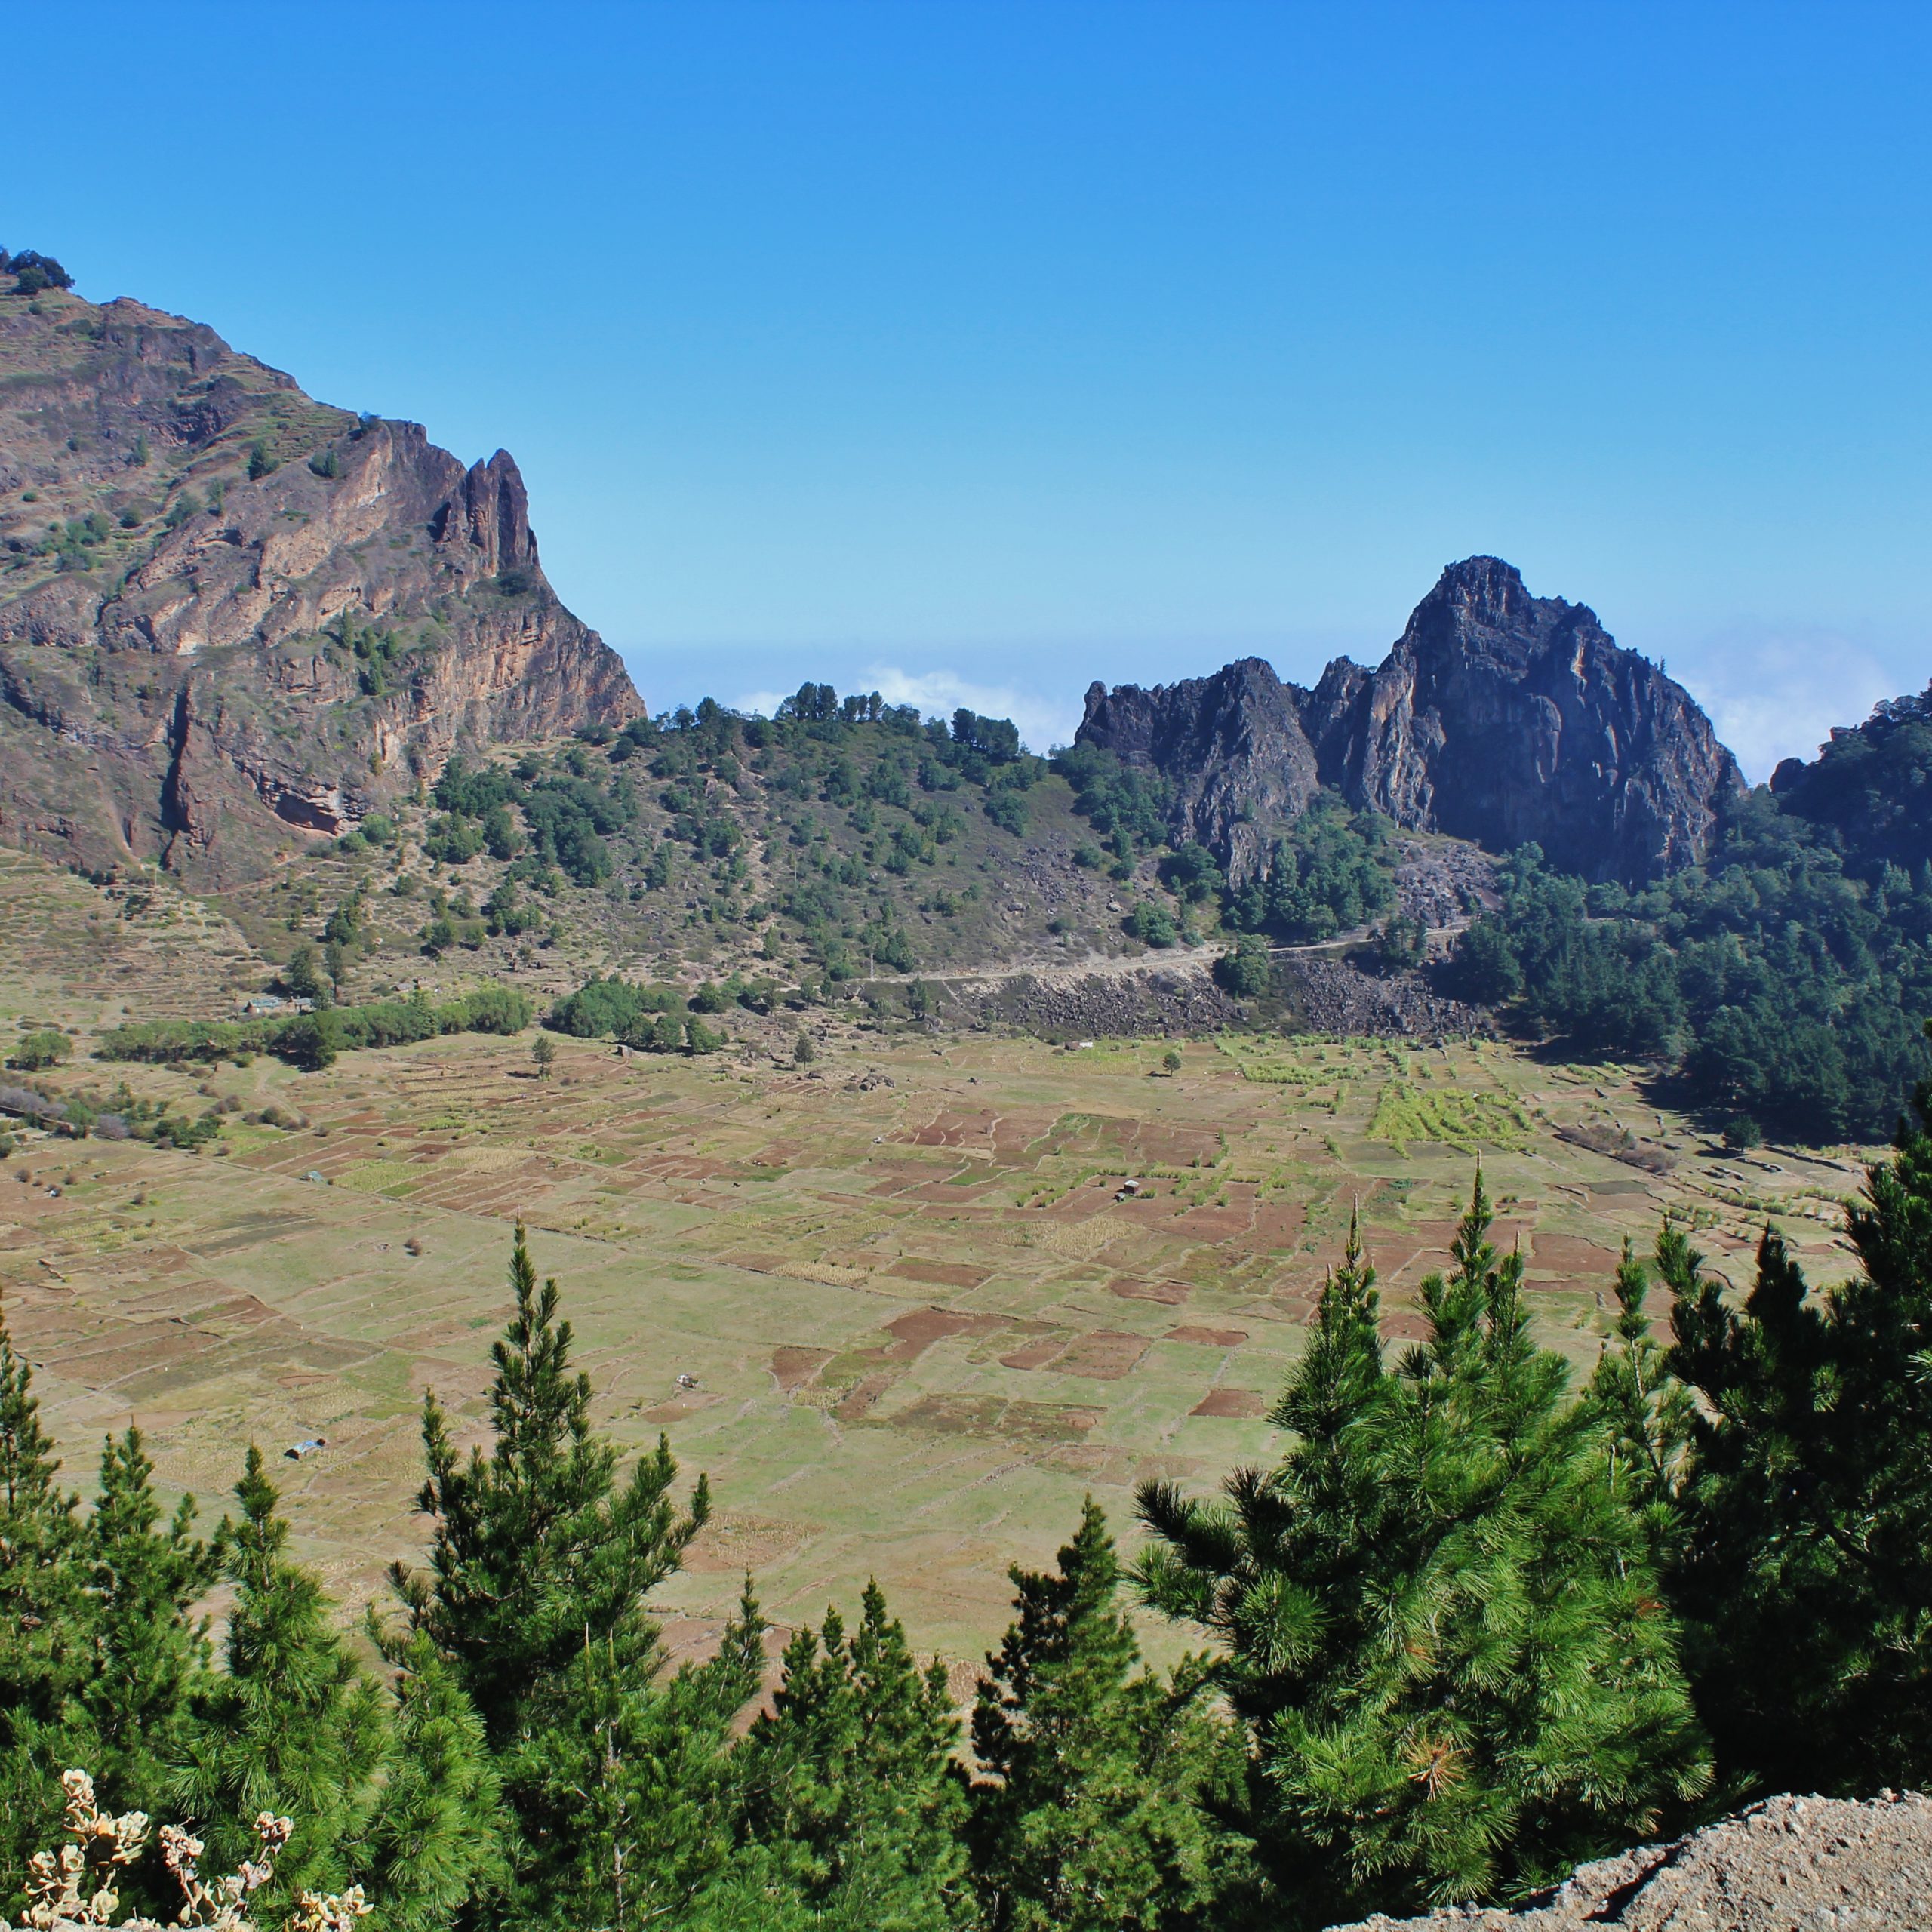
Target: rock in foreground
[[1787, 1864]]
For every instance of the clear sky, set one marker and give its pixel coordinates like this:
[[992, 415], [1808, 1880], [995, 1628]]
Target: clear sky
[[972, 349]]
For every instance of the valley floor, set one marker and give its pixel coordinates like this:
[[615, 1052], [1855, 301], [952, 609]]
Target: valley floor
[[919, 1314]]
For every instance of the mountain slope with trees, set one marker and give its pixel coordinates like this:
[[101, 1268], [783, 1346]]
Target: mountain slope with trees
[[234, 620]]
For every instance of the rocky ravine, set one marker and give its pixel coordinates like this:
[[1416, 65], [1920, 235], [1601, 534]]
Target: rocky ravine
[[1789, 1865], [231, 618], [1496, 717]]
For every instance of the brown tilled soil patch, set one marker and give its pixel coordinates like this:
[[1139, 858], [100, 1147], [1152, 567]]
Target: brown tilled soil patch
[[1171, 1292], [895, 1177], [914, 1333], [753, 1263], [678, 1409], [1215, 1224], [736, 1544], [1209, 1338], [1106, 1354], [1566, 1254], [1404, 1324], [1080, 1202], [941, 1274], [793, 1368], [1242, 1402], [1278, 1224], [861, 1397], [1035, 1355]]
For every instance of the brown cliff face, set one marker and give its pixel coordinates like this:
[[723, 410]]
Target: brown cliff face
[[1497, 717], [234, 619]]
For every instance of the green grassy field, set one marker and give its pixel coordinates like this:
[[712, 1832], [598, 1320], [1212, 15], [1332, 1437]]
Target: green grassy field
[[920, 1319]]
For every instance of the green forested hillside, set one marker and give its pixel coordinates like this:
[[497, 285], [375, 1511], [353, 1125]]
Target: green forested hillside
[[1870, 788], [1786, 980], [844, 840]]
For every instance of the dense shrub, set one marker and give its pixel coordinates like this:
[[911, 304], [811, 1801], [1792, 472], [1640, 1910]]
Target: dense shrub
[[46, 1046], [313, 1039]]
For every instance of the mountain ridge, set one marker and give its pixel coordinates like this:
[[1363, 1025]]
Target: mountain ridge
[[1497, 716], [233, 619]]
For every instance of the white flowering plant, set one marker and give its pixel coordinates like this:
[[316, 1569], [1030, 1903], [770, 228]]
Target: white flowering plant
[[76, 1889]]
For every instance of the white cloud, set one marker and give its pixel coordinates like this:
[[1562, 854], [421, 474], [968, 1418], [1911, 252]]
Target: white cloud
[[1778, 697], [1043, 722]]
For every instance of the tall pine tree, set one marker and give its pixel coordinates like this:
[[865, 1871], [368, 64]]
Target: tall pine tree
[[293, 1726], [393, 1791], [43, 1651], [1806, 1578], [1089, 1818], [1438, 1618], [148, 1647], [535, 1599], [1646, 1410], [435, 1842], [852, 1807]]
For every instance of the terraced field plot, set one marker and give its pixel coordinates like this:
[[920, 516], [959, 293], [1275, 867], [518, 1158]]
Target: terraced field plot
[[919, 1311]]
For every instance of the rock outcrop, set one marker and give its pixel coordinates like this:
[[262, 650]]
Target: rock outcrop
[[1496, 717], [232, 619], [1789, 1865]]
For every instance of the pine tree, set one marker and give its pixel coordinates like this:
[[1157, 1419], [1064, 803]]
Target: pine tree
[[1089, 1818], [294, 1727], [42, 1656], [852, 1807], [1440, 1624], [626, 1786], [1646, 1410], [535, 1597], [149, 1651], [435, 1839], [1807, 1579]]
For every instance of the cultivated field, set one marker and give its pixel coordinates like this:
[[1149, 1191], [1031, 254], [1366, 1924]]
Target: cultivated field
[[920, 1319]]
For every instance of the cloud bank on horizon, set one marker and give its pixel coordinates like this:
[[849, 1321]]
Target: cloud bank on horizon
[[1779, 696]]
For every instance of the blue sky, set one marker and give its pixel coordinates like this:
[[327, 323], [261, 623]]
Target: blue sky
[[979, 350]]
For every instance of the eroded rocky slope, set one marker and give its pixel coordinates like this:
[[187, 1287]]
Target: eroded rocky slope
[[1496, 717], [233, 619]]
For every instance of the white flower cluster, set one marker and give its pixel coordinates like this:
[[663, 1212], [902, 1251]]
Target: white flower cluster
[[74, 1890]]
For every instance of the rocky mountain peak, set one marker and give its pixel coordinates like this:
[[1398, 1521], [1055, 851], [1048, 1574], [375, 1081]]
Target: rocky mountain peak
[[1497, 716], [233, 618], [1479, 596]]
